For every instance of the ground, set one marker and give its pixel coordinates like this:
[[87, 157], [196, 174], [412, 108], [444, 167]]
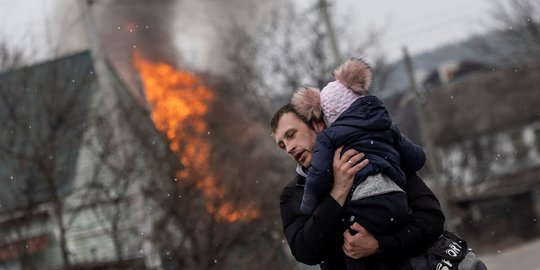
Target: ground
[[522, 257]]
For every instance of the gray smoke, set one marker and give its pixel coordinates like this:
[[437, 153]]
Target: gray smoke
[[188, 34]]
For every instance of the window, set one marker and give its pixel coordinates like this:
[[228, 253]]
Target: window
[[537, 139], [520, 148]]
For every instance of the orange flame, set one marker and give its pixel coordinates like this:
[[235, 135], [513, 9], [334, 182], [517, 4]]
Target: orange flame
[[179, 103]]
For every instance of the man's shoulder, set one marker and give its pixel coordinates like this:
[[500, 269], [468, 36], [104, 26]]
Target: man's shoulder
[[297, 182], [293, 186]]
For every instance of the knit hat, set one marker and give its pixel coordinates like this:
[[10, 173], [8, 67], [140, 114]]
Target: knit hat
[[353, 78], [307, 102]]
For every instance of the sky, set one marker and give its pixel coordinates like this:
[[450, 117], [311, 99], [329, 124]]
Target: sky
[[420, 25]]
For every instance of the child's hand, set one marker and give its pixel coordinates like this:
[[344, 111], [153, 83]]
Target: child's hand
[[345, 167]]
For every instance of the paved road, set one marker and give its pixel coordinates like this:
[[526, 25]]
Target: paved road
[[524, 257]]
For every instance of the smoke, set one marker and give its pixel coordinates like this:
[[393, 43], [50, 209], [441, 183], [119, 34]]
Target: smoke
[[184, 33], [143, 25]]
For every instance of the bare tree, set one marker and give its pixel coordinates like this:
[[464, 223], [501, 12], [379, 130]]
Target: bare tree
[[288, 49], [516, 28], [44, 111], [206, 210]]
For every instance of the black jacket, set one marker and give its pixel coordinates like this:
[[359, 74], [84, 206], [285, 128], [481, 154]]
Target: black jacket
[[318, 238]]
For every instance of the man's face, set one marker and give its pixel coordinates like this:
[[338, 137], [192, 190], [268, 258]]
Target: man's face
[[296, 138]]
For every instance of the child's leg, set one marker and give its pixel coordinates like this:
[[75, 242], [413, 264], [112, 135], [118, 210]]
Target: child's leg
[[380, 214]]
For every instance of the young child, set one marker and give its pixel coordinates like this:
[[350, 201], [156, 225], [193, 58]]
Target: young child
[[355, 119]]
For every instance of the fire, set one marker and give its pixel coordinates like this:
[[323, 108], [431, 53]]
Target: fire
[[179, 103]]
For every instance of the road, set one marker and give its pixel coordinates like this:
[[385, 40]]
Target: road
[[523, 257]]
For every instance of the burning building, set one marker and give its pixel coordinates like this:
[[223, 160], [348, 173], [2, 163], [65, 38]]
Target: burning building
[[168, 172]]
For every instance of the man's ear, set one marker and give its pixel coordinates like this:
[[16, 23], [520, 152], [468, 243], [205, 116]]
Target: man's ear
[[318, 125]]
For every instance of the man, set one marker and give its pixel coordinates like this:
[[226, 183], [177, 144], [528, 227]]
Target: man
[[322, 237]]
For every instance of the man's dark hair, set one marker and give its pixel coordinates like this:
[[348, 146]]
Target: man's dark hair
[[287, 108]]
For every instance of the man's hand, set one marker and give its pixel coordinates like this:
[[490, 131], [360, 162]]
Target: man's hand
[[345, 167], [360, 245]]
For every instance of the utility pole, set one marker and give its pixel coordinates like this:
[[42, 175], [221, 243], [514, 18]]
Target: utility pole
[[323, 7], [426, 139]]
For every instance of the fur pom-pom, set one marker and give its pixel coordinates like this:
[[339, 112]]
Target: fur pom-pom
[[355, 74], [307, 102]]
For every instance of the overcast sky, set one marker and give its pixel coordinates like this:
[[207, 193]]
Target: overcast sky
[[420, 24]]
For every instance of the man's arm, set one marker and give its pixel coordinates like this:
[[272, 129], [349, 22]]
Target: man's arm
[[306, 234], [309, 236], [425, 226]]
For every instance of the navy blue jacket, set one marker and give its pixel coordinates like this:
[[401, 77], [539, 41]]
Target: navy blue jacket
[[365, 126]]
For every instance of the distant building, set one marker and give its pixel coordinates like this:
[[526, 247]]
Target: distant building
[[485, 124], [452, 71]]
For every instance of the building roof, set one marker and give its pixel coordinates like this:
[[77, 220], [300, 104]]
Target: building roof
[[487, 103], [43, 110]]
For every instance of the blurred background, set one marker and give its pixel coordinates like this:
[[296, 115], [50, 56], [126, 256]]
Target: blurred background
[[135, 132]]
